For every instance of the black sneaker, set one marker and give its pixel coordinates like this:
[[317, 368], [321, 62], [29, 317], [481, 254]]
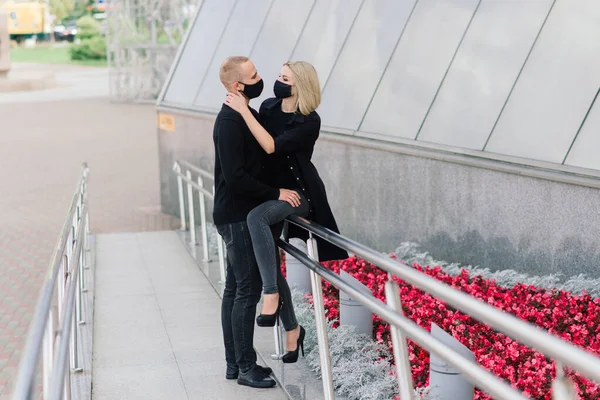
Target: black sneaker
[[233, 371], [256, 378]]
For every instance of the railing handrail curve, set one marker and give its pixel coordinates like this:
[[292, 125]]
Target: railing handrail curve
[[485, 380], [30, 358], [569, 354], [202, 172]]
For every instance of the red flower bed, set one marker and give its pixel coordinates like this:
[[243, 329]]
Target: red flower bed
[[573, 318]]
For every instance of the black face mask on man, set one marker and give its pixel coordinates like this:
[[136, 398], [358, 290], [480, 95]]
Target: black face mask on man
[[253, 90], [282, 90]]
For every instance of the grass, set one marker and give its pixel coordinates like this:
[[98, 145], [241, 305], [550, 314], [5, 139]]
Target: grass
[[50, 55]]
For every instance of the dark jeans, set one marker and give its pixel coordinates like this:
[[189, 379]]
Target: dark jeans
[[241, 295], [265, 223]]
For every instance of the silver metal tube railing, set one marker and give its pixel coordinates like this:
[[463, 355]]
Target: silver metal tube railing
[[401, 327], [65, 283], [552, 346], [481, 377], [203, 193]]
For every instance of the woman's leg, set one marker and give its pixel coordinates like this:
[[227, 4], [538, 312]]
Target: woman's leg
[[260, 220], [287, 314]]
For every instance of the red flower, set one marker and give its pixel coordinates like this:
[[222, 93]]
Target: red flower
[[571, 317]]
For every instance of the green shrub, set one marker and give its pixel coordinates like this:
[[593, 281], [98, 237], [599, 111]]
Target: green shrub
[[88, 27], [89, 49]]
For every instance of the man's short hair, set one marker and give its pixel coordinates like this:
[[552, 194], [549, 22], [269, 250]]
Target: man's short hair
[[231, 70]]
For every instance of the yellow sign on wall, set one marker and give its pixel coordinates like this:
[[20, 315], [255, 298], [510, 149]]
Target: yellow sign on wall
[[166, 122]]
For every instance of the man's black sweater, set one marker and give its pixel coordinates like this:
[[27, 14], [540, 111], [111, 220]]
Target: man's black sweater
[[239, 172]]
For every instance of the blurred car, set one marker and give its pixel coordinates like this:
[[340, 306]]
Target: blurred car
[[65, 32]]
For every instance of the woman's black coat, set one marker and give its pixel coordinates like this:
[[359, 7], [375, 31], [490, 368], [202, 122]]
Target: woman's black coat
[[297, 143]]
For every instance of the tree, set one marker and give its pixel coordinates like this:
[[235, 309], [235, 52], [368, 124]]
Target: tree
[[61, 8]]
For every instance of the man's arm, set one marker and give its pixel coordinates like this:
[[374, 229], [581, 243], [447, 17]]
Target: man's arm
[[229, 145]]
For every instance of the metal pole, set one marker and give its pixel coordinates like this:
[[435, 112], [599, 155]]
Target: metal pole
[[204, 229], [562, 387], [48, 357], [87, 241], [222, 252], [81, 288], [321, 324], [82, 264], [74, 339], [67, 387], [190, 193], [177, 169], [279, 348], [403, 371]]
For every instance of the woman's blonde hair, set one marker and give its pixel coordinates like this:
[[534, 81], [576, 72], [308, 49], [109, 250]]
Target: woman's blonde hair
[[308, 89]]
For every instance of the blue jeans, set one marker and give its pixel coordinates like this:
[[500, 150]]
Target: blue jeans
[[240, 297], [265, 223]]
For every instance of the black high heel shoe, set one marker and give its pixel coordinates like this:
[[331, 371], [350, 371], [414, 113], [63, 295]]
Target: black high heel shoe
[[265, 320], [292, 356]]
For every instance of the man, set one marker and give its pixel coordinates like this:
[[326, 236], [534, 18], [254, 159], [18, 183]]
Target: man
[[238, 189]]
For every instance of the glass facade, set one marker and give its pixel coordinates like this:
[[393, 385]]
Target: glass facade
[[238, 38], [584, 152], [515, 78], [202, 42], [277, 39], [324, 34], [418, 66], [556, 88], [363, 59], [483, 72]]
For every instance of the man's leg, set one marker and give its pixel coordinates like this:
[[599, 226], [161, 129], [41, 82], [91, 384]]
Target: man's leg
[[227, 308], [248, 285], [247, 295]]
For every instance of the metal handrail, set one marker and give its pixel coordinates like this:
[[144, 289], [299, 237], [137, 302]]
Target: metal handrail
[[203, 193], [485, 380], [531, 335], [565, 353], [42, 333], [199, 171]]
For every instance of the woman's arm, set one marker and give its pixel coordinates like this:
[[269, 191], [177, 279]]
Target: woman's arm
[[239, 104]]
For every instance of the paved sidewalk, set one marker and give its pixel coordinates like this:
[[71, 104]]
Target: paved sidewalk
[[157, 331], [44, 137]]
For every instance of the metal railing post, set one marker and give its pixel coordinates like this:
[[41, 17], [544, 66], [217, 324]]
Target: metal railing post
[[204, 229], [321, 323], [48, 353], [82, 264], [399, 344], [177, 169], [278, 338], [562, 386], [67, 387], [190, 193], [81, 289], [221, 252], [73, 339]]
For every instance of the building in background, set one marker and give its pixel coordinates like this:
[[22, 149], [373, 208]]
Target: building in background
[[468, 126], [142, 40]]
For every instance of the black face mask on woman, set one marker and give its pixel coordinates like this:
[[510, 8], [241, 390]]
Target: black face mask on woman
[[253, 90], [282, 90]]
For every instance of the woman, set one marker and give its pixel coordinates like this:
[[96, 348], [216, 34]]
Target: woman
[[291, 128]]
